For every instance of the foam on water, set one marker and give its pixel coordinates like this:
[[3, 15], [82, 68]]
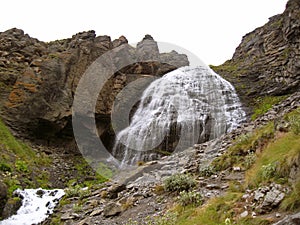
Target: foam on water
[[37, 205]]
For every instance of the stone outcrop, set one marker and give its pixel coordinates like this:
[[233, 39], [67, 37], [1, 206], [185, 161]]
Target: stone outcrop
[[267, 62], [39, 79]]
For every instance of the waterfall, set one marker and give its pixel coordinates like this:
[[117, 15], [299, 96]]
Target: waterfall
[[37, 205], [184, 107]]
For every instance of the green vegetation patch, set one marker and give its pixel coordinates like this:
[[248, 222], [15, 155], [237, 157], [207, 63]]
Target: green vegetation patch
[[275, 161], [179, 182], [263, 104], [20, 165], [242, 152], [215, 212]]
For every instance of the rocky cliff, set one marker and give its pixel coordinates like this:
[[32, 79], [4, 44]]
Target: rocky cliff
[[38, 80], [249, 176], [267, 62]]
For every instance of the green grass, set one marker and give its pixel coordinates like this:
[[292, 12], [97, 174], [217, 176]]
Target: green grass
[[292, 201], [294, 120], [267, 156], [241, 152], [12, 145], [275, 161], [101, 175], [214, 212], [20, 165], [263, 104]]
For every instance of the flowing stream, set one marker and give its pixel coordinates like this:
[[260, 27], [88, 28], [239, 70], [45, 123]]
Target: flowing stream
[[37, 205], [186, 106]]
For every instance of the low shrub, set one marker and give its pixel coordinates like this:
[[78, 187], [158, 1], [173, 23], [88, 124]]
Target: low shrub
[[207, 171], [186, 198], [179, 182]]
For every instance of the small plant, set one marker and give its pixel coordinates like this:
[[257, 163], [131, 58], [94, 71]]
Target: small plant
[[227, 221], [77, 208], [21, 166], [249, 160], [179, 182], [131, 222], [268, 171], [207, 171], [77, 191], [12, 183], [168, 218], [189, 198], [243, 138], [295, 123], [5, 167], [129, 203], [159, 189]]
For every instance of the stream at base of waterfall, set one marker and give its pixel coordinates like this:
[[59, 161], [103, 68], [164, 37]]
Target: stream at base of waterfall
[[37, 205]]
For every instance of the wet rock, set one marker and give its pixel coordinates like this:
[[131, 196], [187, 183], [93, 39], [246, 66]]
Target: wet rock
[[40, 193], [11, 207], [3, 196]]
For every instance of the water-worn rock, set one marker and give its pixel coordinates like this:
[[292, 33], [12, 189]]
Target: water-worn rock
[[11, 207]]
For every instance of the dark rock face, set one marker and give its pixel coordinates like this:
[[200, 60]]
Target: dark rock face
[[3, 196], [11, 207], [41, 78], [267, 62]]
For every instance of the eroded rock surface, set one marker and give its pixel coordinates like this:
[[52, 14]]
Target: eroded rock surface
[[267, 62], [39, 79]]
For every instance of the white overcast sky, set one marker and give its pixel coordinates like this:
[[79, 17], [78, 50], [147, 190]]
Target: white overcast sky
[[211, 29]]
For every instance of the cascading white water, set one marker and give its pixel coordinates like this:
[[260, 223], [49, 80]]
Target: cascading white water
[[194, 104], [37, 205]]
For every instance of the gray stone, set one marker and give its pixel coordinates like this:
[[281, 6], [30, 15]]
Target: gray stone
[[290, 220], [112, 209], [244, 214], [272, 199], [258, 195], [96, 212]]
